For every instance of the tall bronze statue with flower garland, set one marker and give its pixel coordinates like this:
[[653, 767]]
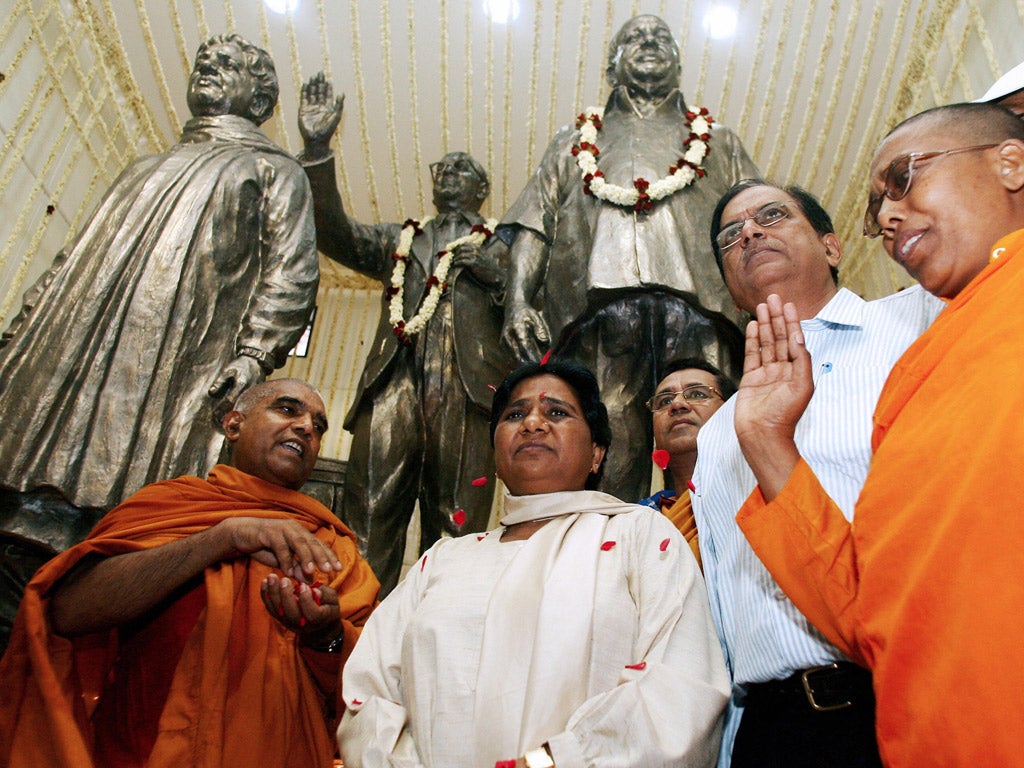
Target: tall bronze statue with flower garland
[[420, 418], [611, 262]]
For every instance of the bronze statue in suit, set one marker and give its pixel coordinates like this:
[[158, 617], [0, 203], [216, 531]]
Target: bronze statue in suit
[[420, 416]]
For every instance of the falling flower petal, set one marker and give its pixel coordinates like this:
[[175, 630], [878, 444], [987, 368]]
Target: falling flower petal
[[356, 702], [423, 563], [607, 545], [660, 457], [504, 764], [547, 356], [492, 388], [690, 485], [459, 518], [664, 545], [480, 537], [480, 482], [640, 666]]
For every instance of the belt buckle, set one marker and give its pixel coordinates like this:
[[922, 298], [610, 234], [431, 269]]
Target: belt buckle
[[805, 678]]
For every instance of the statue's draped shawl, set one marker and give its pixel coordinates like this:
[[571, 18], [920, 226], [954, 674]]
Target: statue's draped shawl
[[192, 254]]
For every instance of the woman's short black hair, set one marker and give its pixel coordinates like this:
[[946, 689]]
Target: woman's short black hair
[[583, 384]]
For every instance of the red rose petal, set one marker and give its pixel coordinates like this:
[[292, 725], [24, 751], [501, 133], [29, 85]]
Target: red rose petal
[[423, 563], [480, 482], [356, 702], [691, 486], [607, 545], [504, 764], [640, 666], [480, 537], [664, 545], [547, 356], [459, 518], [660, 457]]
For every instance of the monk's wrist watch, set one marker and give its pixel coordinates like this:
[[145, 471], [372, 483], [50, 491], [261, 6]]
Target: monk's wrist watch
[[539, 758]]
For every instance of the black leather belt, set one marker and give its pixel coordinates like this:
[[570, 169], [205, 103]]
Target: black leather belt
[[827, 688]]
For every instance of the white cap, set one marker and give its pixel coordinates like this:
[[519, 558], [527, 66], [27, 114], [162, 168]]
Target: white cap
[[1011, 82]]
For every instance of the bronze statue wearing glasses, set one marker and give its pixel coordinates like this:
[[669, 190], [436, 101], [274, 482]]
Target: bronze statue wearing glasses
[[610, 262], [420, 416]]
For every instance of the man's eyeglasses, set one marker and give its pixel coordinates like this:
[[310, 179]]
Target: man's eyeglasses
[[898, 178], [766, 216], [460, 166], [695, 394]]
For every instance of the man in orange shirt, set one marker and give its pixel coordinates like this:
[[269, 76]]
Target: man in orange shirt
[[203, 622], [923, 586], [689, 393]]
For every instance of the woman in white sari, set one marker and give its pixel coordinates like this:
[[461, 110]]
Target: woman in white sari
[[576, 633]]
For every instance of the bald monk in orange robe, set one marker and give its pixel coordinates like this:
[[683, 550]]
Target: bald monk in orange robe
[[203, 622], [924, 586]]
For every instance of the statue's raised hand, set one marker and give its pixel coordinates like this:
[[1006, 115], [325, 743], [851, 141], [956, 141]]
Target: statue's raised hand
[[319, 115]]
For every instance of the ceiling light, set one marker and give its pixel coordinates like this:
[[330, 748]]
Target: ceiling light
[[282, 6], [502, 11], [720, 22]]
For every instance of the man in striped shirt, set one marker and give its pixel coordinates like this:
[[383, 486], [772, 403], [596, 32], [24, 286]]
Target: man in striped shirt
[[797, 701]]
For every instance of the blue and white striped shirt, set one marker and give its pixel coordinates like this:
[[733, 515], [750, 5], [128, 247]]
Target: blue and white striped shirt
[[853, 346]]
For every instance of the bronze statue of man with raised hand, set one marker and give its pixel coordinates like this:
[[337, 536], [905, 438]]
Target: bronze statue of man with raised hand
[[610, 260], [420, 417]]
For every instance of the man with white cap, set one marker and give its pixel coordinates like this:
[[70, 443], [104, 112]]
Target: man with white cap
[[1008, 91]]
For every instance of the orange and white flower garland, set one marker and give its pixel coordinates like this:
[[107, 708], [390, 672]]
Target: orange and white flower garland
[[643, 194], [404, 329]]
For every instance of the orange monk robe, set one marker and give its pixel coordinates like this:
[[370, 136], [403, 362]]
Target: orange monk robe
[[924, 587], [243, 691], [679, 511]]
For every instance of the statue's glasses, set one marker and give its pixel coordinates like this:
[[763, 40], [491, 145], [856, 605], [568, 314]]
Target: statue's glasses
[[898, 177], [459, 166], [695, 394], [766, 216]]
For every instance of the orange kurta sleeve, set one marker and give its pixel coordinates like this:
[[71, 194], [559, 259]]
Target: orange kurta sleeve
[[807, 544]]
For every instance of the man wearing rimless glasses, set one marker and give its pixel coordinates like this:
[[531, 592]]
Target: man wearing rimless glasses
[[798, 699], [924, 588], [691, 390]]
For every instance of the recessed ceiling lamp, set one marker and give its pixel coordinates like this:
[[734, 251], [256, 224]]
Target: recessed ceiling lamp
[[720, 22], [502, 11], [282, 6]]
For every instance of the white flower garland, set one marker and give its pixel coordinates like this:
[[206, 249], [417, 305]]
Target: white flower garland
[[643, 194], [404, 329]]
